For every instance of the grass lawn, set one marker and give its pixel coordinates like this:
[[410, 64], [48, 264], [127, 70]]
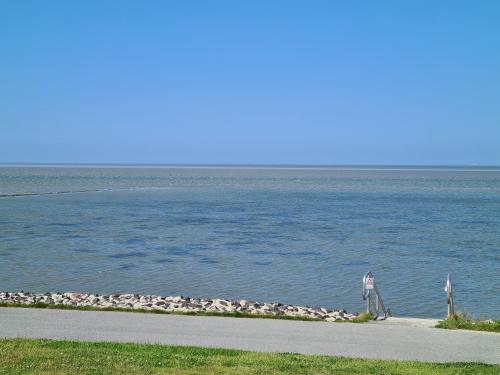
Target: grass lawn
[[361, 318], [26, 356], [462, 322]]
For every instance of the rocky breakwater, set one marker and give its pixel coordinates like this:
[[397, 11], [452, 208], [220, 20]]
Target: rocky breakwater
[[174, 304]]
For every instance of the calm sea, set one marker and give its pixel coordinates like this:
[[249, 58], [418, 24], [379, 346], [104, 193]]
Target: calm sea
[[294, 235]]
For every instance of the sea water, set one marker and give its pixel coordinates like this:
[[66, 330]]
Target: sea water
[[303, 235]]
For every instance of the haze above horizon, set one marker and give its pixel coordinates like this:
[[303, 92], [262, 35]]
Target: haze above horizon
[[287, 83]]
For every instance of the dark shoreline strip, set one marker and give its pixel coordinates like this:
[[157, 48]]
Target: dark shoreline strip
[[56, 192]]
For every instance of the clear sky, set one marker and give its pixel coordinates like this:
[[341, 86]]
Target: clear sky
[[279, 82]]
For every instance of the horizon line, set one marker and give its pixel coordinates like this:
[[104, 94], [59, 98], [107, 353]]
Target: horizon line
[[475, 167]]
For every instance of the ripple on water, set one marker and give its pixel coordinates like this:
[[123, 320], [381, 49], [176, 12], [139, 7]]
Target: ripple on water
[[207, 260], [63, 224], [83, 250], [131, 254], [134, 241], [356, 262], [262, 263], [163, 260], [125, 267], [300, 253]]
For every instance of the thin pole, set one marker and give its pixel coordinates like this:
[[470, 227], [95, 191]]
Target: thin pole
[[449, 297], [368, 302]]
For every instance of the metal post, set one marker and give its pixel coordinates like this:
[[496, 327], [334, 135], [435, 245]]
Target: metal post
[[368, 302], [449, 297]]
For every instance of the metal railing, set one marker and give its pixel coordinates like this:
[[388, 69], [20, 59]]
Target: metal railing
[[371, 294], [375, 304]]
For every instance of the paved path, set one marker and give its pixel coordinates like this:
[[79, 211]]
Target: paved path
[[391, 339]]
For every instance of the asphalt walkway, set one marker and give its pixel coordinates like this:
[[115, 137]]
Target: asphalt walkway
[[405, 339]]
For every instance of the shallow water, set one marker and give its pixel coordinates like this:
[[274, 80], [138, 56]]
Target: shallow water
[[296, 235]]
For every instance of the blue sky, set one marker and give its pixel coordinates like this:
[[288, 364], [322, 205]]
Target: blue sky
[[281, 82]]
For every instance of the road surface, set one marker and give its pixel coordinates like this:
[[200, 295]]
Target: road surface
[[404, 339]]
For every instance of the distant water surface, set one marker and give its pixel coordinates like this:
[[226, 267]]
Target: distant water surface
[[295, 235]]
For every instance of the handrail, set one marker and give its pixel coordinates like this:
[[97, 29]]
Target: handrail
[[369, 285]]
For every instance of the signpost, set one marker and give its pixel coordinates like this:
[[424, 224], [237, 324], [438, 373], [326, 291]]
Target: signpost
[[368, 282], [369, 288]]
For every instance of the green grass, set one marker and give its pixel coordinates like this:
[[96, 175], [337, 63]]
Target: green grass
[[461, 321], [27, 356], [235, 314], [363, 318]]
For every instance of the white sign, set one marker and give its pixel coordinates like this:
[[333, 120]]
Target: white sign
[[369, 281]]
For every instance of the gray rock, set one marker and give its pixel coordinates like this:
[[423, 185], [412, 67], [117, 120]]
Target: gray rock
[[174, 303]]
